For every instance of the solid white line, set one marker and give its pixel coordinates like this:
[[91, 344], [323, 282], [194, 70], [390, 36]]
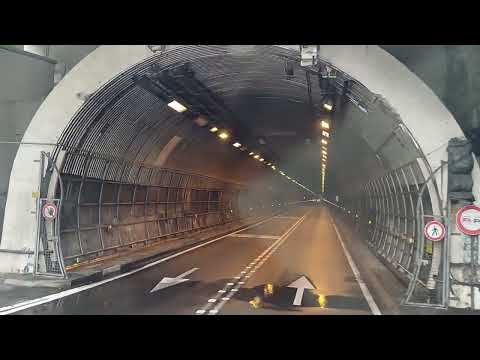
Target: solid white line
[[45, 299], [366, 293], [269, 237]]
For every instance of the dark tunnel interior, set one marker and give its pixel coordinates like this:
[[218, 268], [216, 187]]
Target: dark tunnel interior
[[202, 134]]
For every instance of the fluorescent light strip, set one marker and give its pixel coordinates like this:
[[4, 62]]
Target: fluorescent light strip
[[175, 105]]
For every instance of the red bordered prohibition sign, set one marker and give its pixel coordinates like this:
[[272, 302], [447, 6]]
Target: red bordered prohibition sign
[[49, 211], [468, 220], [434, 230]]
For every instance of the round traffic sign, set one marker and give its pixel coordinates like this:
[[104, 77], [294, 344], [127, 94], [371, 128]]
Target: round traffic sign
[[468, 220], [434, 230], [49, 211]]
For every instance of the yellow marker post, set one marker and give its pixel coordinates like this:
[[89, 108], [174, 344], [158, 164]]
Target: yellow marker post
[[255, 302], [268, 290], [322, 301]]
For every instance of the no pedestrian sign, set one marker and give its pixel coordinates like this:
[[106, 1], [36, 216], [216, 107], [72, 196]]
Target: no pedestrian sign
[[434, 230], [468, 220], [49, 211]]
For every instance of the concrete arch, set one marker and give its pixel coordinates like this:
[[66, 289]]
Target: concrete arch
[[418, 107]]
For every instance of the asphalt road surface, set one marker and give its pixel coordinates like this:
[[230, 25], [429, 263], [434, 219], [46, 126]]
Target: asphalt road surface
[[291, 264]]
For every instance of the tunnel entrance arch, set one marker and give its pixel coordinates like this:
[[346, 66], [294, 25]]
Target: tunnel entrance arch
[[101, 85]]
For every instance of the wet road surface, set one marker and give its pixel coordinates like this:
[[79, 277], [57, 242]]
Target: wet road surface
[[248, 272]]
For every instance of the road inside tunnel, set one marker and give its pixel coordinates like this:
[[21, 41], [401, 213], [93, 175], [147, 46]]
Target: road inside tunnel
[[197, 136], [246, 273]]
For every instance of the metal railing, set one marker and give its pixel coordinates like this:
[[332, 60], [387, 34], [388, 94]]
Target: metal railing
[[391, 214]]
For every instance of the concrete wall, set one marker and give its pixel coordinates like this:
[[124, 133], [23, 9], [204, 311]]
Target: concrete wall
[[27, 77], [25, 82], [453, 74]]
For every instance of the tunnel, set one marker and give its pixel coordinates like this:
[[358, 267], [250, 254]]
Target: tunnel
[[142, 143]]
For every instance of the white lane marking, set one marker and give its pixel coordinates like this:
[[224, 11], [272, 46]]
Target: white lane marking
[[267, 253], [230, 284], [366, 293], [225, 298], [213, 312], [45, 299], [269, 237], [212, 300], [200, 312], [222, 291], [168, 281]]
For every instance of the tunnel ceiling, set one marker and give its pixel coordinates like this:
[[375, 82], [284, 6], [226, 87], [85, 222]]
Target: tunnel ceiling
[[260, 94]]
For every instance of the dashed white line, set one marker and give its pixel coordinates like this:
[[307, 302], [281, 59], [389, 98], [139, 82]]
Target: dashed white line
[[264, 257]]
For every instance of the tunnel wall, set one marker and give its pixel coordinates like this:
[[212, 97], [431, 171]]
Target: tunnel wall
[[370, 65]]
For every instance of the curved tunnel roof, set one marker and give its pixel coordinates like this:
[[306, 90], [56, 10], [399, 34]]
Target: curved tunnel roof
[[245, 89]]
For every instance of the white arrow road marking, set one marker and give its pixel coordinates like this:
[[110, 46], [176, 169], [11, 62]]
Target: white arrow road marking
[[300, 284], [168, 281]]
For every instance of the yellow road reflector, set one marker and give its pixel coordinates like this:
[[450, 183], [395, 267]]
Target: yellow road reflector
[[268, 290], [322, 300], [35, 194], [255, 302]]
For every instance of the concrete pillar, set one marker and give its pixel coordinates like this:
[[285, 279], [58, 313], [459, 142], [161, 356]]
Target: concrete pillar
[[463, 266]]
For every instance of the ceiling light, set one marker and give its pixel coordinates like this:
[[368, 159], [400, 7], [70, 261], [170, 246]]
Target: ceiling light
[[237, 145], [175, 105], [262, 159], [325, 133], [288, 177], [273, 167], [324, 152], [281, 172], [325, 124], [201, 121], [214, 129], [269, 164], [328, 104], [223, 135], [251, 153], [256, 156], [325, 142]]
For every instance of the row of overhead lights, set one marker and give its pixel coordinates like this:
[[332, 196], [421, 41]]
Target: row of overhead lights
[[324, 143], [325, 125], [224, 135]]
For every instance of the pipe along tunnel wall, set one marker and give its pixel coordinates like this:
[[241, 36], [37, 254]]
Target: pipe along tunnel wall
[[115, 135]]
